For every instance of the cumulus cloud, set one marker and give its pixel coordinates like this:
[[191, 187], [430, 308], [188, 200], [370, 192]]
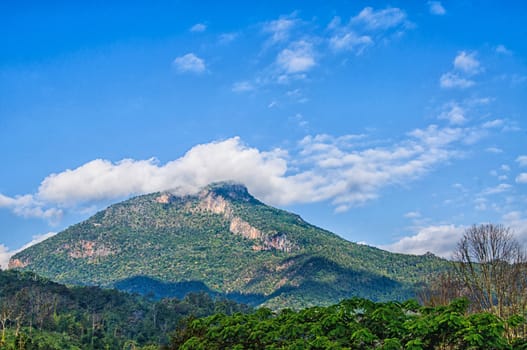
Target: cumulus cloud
[[297, 58], [27, 206], [522, 178], [6, 254], [465, 65], [452, 80], [438, 239], [467, 62], [342, 170], [436, 8], [189, 63], [198, 28]]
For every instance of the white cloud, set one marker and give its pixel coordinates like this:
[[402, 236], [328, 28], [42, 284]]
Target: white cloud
[[494, 150], [379, 19], [522, 161], [517, 221], [412, 215], [280, 29], [350, 41], [503, 187], [452, 80], [455, 115], [27, 206], [242, 86], [198, 27], [341, 170], [503, 50], [436, 8], [467, 63], [189, 63], [226, 38], [6, 254], [496, 123], [297, 58], [440, 240], [522, 178]]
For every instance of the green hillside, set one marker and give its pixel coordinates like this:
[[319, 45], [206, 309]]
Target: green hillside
[[36, 313], [222, 240]]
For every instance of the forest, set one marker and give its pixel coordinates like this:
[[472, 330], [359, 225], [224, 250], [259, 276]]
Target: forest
[[479, 303]]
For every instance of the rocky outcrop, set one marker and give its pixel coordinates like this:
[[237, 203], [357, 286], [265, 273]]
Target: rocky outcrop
[[244, 229], [87, 250], [17, 263], [217, 204]]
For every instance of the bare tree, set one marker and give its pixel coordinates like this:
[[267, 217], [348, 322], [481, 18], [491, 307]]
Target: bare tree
[[441, 289], [491, 264]]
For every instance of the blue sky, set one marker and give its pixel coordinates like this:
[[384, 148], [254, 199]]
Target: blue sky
[[395, 124]]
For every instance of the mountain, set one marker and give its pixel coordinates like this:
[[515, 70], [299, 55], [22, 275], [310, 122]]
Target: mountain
[[223, 241]]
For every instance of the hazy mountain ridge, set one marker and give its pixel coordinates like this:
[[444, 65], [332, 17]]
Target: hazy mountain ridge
[[226, 240]]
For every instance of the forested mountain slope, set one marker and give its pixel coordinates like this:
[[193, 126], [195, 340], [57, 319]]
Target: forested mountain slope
[[222, 240]]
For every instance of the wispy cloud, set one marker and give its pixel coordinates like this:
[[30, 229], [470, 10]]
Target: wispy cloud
[[436, 8], [455, 114], [500, 188], [494, 150], [189, 63], [280, 29], [384, 19], [503, 50], [452, 80], [297, 58], [226, 38], [198, 28], [350, 41], [242, 86], [367, 27]]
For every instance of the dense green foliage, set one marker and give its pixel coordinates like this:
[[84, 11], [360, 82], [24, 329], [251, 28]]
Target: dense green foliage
[[36, 313], [169, 245], [356, 324]]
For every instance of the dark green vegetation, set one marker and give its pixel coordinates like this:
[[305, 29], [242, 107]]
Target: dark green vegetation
[[226, 242], [355, 324], [36, 313]]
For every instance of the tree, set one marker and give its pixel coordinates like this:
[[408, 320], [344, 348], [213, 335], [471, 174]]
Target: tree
[[492, 266]]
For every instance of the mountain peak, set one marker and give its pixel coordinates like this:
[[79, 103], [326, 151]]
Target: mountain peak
[[229, 190]]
